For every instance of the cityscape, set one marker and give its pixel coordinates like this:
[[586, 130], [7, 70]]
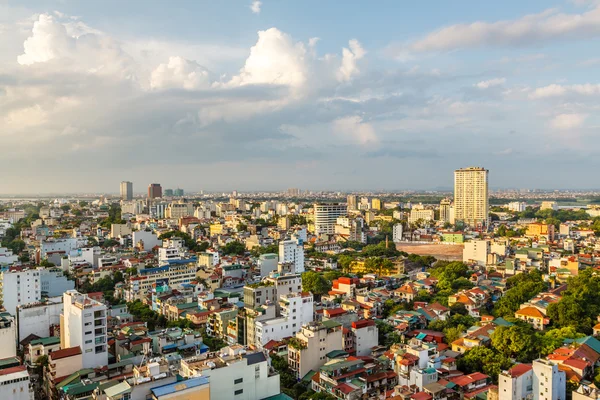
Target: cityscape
[[261, 200]]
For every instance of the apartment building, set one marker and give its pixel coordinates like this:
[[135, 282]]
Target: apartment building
[[549, 382], [297, 309], [8, 336], [471, 196], [516, 383], [326, 216], [15, 384], [309, 348], [366, 336], [292, 251], [19, 287], [234, 373], [83, 324]]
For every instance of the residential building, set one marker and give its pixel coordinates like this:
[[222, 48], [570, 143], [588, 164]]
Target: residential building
[[297, 309], [477, 251], [53, 282], [83, 324], [292, 251], [234, 373], [549, 205], [7, 257], [516, 383], [8, 336], [15, 384], [539, 230], [179, 210], [445, 206], [517, 206], [126, 191], [326, 216], [19, 287], [397, 233], [366, 336], [375, 204], [471, 196], [195, 388], [145, 240], [308, 350], [352, 202], [420, 213], [40, 319], [267, 263], [549, 382], [119, 230], [154, 191]]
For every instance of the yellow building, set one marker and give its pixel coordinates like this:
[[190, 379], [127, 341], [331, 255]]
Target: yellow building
[[376, 204], [216, 229], [538, 230], [471, 196]]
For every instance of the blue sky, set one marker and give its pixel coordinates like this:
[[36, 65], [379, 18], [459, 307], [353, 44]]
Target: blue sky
[[267, 95]]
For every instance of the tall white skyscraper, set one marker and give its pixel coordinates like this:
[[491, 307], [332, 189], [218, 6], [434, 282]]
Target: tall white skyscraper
[[126, 191], [326, 216], [83, 324], [471, 196]]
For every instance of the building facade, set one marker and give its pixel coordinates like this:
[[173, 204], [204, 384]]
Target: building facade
[[471, 205], [126, 191]]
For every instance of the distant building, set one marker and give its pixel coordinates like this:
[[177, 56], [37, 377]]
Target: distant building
[[326, 216], [154, 191], [397, 233], [549, 205], [376, 204], [420, 213], [352, 201], [445, 206], [19, 287], [168, 193], [477, 251], [292, 251], [126, 191], [517, 206], [471, 202], [178, 192]]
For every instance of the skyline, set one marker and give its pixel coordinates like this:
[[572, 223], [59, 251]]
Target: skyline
[[268, 95]]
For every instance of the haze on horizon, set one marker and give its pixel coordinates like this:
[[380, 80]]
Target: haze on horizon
[[253, 95]]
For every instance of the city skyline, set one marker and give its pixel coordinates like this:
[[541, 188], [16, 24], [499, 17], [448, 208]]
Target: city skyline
[[297, 94]]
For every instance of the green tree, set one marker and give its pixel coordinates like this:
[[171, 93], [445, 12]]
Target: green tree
[[515, 341], [486, 360], [315, 283], [234, 248]]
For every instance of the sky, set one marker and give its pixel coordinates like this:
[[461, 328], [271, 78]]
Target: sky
[[317, 95]]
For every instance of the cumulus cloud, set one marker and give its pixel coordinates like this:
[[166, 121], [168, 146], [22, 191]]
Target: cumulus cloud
[[353, 129], [350, 58], [555, 90], [255, 6], [49, 40], [180, 73], [490, 83], [568, 121], [528, 30]]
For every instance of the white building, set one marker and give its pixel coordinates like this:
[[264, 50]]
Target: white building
[[516, 383], [15, 384], [38, 318], [419, 212], [267, 263], [86, 255], [297, 309], [148, 238], [549, 382], [234, 374], [292, 251], [397, 233], [8, 336], [326, 216], [61, 245], [477, 251], [119, 230], [315, 341], [83, 324], [366, 336], [7, 257], [53, 282], [19, 287], [517, 206]]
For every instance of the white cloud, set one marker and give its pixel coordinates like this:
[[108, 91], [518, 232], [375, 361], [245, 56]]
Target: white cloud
[[490, 83], [350, 58], [49, 40], [180, 73], [275, 60], [255, 6], [568, 121], [528, 30], [353, 129], [555, 90]]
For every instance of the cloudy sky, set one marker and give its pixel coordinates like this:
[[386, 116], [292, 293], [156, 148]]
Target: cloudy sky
[[265, 95]]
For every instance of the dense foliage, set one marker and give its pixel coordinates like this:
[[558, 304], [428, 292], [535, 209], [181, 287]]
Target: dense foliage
[[521, 288]]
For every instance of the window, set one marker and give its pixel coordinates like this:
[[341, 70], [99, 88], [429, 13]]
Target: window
[[237, 392], [239, 380]]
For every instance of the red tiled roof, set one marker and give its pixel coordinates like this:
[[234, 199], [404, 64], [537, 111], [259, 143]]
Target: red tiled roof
[[63, 353], [519, 370], [13, 370]]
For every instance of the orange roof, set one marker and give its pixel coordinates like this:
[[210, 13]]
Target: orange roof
[[531, 312]]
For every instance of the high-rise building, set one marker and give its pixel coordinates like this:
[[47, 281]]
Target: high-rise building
[[126, 191], [168, 192], [352, 201], [83, 324], [292, 251], [326, 216], [471, 205], [178, 192], [154, 191], [375, 204], [445, 210]]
